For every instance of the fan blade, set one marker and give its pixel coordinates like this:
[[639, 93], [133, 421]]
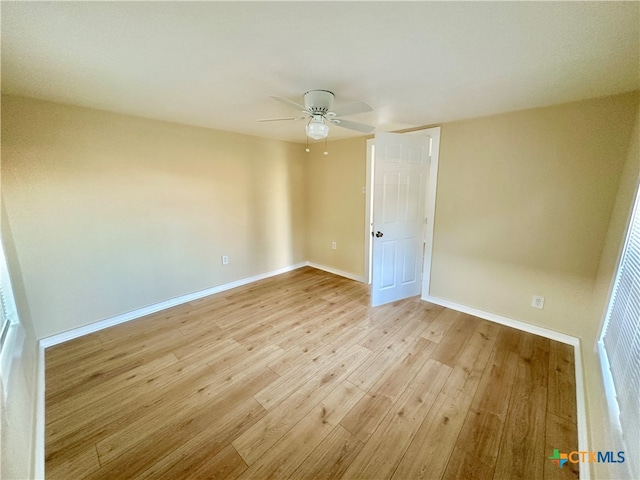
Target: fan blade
[[352, 109], [289, 103], [279, 119], [360, 127]]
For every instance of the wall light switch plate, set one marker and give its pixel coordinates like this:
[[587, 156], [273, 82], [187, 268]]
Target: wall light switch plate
[[537, 302], [334, 245]]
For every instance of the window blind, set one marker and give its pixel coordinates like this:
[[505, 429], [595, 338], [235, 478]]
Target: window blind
[[621, 339]]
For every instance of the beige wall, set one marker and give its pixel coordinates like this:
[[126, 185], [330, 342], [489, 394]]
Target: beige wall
[[523, 207], [616, 232], [336, 204], [110, 213]]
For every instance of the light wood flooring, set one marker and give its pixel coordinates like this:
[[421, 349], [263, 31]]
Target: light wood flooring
[[297, 377]]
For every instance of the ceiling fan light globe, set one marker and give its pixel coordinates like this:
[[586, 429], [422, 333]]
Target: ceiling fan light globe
[[317, 130]]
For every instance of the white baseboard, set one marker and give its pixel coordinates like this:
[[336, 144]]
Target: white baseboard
[[141, 312], [509, 322], [581, 409], [581, 419], [335, 271]]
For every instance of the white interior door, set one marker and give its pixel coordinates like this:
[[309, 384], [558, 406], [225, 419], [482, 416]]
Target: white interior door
[[399, 197]]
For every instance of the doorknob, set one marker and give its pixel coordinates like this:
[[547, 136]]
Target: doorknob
[[379, 234]]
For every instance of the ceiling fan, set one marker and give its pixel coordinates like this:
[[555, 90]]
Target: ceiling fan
[[318, 109]]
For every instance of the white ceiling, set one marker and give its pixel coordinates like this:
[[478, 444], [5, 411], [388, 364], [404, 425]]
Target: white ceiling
[[215, 64]]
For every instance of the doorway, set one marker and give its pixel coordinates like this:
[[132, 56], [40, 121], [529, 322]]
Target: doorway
[[428, 208]]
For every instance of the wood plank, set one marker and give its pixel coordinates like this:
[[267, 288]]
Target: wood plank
[[295, 322], [383, 452], [213, 341], [84, 462], [330, 458], [120, 460], [440, 325], [71, 352], [103, 366], [68, 435], [209, 450], [482, 431], [387, 354], [319, 369], [261, 437], [284, 457], [462, 466], [322, 329], [535, 353], [398, 376], [397, 315], [106, 365], [228, 360], [366, 415], [227, 464], [481, 435], [424, 459], [258, 356], [89, 400], [522, 454], [280, 307], [562, 381], [452, 345], [494, 390], [217, 398], [560, 434], [472, 361], [343, 333]]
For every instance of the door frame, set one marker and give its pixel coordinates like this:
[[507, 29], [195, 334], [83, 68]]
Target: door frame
[[434, 133]]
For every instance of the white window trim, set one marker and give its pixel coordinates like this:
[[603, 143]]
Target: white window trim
[[8, 335], [608, 376]]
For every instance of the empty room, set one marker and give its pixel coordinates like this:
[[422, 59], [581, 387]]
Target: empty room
[[320, 240]]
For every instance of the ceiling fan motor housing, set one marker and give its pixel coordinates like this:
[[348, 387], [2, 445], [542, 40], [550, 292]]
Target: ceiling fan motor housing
[[318, 101]]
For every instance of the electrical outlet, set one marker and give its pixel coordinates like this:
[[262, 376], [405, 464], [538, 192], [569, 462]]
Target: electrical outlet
[[225, 260], [334, 245], [537, 302]]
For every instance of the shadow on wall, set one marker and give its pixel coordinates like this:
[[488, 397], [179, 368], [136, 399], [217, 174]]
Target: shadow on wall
[[276, 208]]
